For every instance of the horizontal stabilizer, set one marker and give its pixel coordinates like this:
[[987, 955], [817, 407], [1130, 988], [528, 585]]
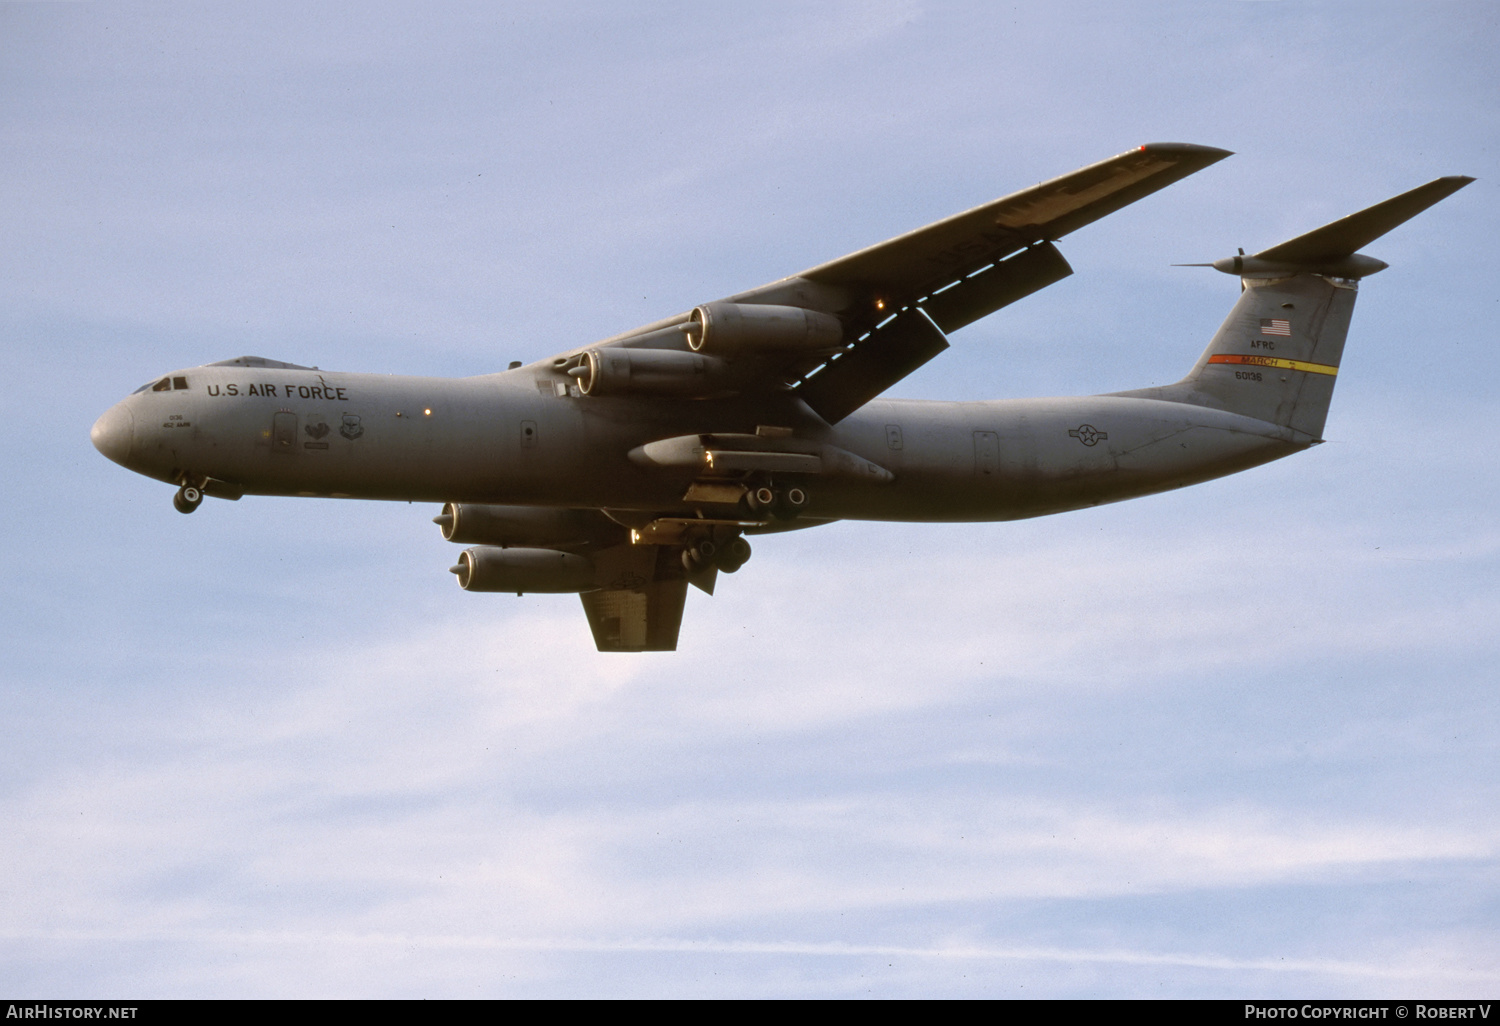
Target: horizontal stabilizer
[[1277, 356], [1345, 236]]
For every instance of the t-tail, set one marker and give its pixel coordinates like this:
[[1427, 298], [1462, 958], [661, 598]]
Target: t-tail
[[1277, 355]]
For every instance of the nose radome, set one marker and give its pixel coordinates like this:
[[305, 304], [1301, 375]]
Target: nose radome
[[112, 433]]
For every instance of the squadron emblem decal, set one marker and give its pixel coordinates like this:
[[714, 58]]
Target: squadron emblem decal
[[352, 428], [1088, 434]]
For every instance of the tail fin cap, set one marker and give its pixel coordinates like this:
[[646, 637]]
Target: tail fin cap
[[1330, 250], [1353, 265]]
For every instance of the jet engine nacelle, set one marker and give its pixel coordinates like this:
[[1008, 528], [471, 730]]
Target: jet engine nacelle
[[487, 568], [746, 327], [671, 372], [477, 524]]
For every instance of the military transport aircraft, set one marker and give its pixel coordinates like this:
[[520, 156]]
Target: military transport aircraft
[[628, 469]]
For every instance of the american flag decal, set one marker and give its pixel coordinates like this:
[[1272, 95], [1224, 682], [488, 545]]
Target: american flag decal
[[1275, 326]]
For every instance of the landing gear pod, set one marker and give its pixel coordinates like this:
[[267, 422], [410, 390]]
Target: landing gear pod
[[746, 327], [486, 568]]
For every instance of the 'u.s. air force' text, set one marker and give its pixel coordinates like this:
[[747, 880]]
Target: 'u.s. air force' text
[[286, 391]]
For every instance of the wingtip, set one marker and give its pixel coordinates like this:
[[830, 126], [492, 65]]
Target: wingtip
[[1206, 153], [1440, 188]]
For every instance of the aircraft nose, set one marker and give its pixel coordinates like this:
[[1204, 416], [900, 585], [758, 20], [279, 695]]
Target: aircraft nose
[[113, 433]]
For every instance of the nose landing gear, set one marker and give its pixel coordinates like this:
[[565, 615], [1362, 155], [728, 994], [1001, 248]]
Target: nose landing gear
[[188, 498]]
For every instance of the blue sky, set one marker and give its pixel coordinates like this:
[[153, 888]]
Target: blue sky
[[1234, 740]]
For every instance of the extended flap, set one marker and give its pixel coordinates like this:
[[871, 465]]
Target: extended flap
[[887, 355], [981, 294]]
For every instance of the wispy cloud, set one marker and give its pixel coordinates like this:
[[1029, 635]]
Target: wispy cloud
[[1233, 739]]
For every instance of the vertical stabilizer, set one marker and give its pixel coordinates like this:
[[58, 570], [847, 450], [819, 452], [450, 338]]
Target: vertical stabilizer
[[1277, 355]]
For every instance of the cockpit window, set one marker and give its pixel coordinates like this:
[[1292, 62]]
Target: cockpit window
[[166, 384]]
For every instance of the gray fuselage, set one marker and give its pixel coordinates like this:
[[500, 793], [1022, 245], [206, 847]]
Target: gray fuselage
[[525, 437]]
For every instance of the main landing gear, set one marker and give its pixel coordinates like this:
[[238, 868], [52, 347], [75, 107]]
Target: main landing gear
[[784, 503], [728, 556], [188, 498], [722, 547]]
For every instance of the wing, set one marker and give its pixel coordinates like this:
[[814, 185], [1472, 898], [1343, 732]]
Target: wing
[[952, 273], [866, 320], [913, 267], [832, 337], [639, 609]]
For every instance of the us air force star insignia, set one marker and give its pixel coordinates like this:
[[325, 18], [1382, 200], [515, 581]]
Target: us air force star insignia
[[1087, 434]]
